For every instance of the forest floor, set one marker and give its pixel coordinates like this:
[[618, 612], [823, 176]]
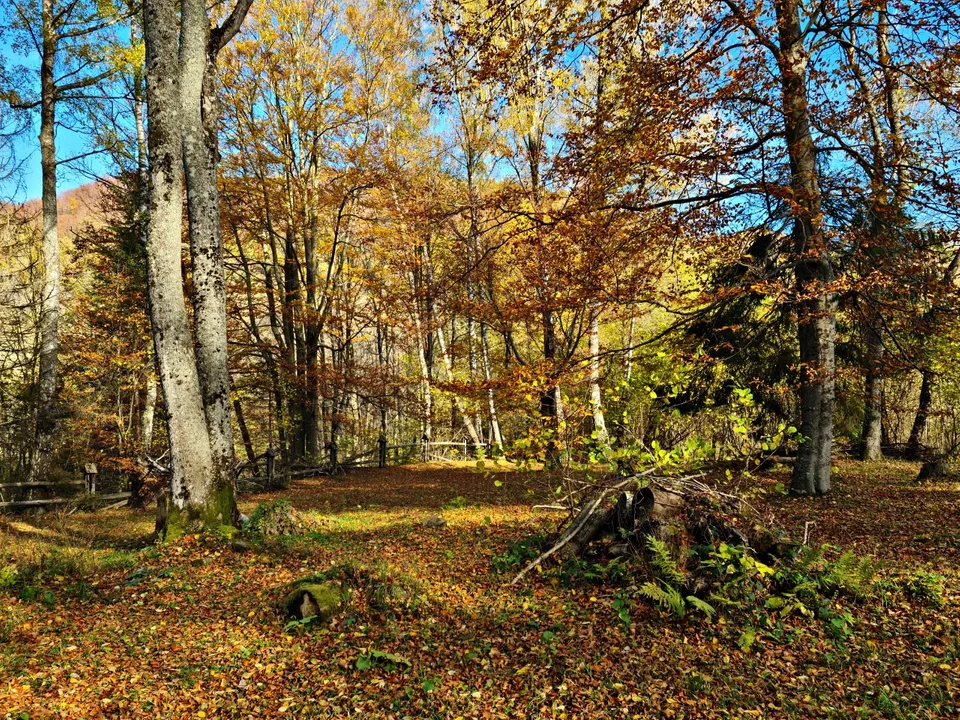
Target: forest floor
[[93, 623]]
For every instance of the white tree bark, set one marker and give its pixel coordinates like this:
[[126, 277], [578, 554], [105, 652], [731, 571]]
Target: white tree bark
[[149, 409], [143, 207], [458, 401], [596, 398], [424, 369], [494, 419]]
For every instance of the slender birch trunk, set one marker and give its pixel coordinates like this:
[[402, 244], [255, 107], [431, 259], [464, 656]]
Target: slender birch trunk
[[447, 361], [458, 401], [424, 366], [487, 373], [596, 398]]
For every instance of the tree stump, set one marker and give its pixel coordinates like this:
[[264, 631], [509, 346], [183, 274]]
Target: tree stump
[[314, 600], [934, 470]]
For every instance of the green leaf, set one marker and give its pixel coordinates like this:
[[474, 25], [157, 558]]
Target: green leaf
[[747, 639]]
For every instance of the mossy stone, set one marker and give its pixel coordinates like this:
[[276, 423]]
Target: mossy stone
[[321, 600]]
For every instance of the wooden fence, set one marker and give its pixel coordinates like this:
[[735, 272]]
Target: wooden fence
[[382, 455], [21, 495]]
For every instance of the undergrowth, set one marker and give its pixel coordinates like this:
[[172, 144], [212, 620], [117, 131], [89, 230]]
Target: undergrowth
[[726, 579]]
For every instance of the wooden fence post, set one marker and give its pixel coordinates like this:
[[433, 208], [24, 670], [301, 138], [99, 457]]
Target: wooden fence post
[[271, 467], [90, 477], [382, 450]]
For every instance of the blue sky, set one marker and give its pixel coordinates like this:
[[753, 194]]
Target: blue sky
[[69, 144], [27, 148]]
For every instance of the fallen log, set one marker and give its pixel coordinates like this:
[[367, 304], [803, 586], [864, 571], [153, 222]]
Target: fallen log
[[575, 527]]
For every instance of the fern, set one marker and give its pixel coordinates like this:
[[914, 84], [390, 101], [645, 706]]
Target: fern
[[850, 574], [701, 605], [666, 596], [727, 602], [664, 562], [808, 559], [808, 587]]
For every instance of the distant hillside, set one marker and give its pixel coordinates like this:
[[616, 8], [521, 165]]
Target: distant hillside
[[76, 207]]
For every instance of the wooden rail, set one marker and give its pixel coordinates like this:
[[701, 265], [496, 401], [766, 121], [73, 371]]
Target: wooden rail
[[61, 501], [373, 457], [41, 484]]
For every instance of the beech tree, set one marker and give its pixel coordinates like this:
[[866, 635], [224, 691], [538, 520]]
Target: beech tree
[[182, 141], [563, 231]]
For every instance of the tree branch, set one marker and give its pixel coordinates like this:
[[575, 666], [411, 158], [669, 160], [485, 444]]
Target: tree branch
[[219, 37]]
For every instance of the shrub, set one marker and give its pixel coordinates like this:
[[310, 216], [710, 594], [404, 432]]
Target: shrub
[[276, 518], [927, 587], [518, 553]]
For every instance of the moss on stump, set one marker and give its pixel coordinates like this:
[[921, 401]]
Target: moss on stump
[[320, 600]]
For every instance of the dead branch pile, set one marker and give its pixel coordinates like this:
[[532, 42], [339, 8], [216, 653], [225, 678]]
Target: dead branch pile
[[615, 518]]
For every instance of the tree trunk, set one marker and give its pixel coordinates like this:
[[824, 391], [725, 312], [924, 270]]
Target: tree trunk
[[596, 398], [50, 301], [312, 322], [497, 438], [458, 401], [194, 494], [548, 398], [149, 409], [382, 370], [914, 444], [143, 209], [424, 369], [291, 301], [873, 409], [817, 303], [245, 435], [199, 127]]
